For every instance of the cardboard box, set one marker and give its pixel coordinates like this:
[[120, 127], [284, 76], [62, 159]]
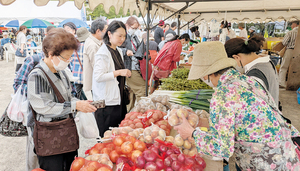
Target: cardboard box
[[278, 47], [270, 41], [188, 66]]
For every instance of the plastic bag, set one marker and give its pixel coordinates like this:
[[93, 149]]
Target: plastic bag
[[187, 146], [14, 110], [100, 158], [154, 132], [174, 117], [298, 95], [81, 164], [87, 125]]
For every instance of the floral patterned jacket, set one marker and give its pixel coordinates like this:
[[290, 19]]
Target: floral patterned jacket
[[241, 114]]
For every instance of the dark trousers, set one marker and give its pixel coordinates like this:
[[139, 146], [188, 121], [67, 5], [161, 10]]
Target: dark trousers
[[60, 162], [1, 51], [110, 116]]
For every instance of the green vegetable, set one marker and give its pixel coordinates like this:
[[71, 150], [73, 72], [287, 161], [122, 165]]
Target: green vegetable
[[178, 81], [185, 97]]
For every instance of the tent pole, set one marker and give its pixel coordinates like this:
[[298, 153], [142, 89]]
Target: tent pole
[[178, 28], [147, 45]]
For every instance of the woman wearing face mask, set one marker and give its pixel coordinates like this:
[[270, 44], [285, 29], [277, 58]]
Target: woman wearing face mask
[[166, 59], [49, 94], [261, 68], [244, 119], [129, 49], [109, 78]]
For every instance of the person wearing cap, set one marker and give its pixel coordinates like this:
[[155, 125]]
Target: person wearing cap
[[289, 42], [168, 37], [91, 46], [30, 44], [252, 31], [70, 27], [172, 29], [166, 59], [244, 119], [159, 32], [243, 33], [77, 62], [4, 40]]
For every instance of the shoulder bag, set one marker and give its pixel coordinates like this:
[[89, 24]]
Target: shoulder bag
[[56, 137]]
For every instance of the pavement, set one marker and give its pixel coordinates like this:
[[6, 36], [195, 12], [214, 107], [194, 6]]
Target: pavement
[[13, 154]]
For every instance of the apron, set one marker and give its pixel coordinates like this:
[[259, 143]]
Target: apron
[[280, 155]]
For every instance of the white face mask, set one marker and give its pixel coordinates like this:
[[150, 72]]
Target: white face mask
[[61, 65], [209, 83], [132, 31]]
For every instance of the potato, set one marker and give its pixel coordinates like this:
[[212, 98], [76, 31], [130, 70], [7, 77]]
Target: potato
[[178, 141], [169, 139], [187, 144], [173, 120], [148, 139], [182, 112]]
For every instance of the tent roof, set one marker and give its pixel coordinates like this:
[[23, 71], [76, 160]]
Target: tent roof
[[239, 10], [255, 10], [24, 10]]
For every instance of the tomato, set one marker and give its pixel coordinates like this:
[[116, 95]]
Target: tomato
[[99, 146], [126, 147], [113, 155], [104, 169], [135, 155], [94, 151], [94, 164], [105, 151], [139, 145], [118, 149], [118, 141], [130, 138]]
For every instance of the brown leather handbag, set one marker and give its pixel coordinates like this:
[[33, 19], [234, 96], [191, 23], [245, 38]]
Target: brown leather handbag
[[58, 137]]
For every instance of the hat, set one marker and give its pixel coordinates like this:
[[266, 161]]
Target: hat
[[28, 37], [5, 33], [252, 28], [82, 34], [169, 36], [161, 23], [71, 25], [209, 57]]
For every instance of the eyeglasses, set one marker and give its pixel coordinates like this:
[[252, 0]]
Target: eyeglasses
[[67, 60]]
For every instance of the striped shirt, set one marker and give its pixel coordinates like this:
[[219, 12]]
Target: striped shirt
[[290, 38], [75, 65]]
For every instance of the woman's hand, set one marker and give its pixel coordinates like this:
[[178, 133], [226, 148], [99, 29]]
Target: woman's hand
[[122, 72], [185, 129], [21, 51], [85, 106], [129, 53]]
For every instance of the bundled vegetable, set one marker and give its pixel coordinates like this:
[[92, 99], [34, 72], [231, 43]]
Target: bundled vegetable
[[81, 164], [178, 81], [195, 99]]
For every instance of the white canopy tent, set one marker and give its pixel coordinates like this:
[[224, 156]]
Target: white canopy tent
[[24, 10]]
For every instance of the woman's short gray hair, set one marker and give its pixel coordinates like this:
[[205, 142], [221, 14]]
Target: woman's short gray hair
[[98, 24]]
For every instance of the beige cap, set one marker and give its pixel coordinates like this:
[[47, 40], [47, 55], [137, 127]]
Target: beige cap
[[82, 34], [209, 57]]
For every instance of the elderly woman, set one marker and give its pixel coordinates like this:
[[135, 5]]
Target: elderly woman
[[49, 93], [244, 119]]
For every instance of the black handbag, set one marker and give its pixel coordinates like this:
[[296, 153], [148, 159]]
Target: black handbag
[[127, 94]]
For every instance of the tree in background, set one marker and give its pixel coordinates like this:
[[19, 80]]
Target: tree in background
[[99, 11]]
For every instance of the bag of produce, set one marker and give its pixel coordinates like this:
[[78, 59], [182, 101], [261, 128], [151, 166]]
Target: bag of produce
[[87, 125], [133, 120], [187, 146], [175, 117], [100, 158], [81, 164], [154, 132], [143, 105]]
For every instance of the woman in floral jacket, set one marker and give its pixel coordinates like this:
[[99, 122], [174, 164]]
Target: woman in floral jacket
[[244, 118]]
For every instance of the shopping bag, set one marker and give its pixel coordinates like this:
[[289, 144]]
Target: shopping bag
[[25, 109], [14, 110], [87, 125]]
